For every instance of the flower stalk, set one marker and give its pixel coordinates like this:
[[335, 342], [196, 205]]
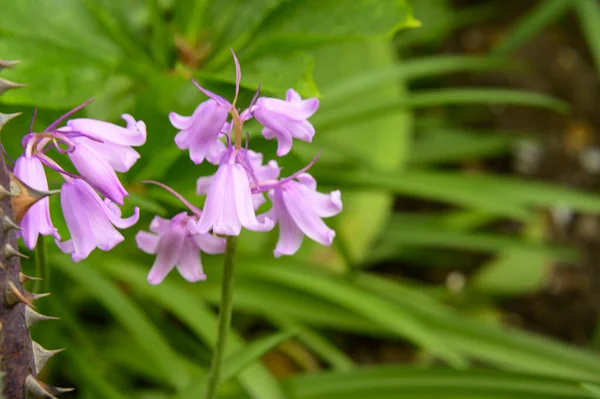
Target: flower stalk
[[225, 311]]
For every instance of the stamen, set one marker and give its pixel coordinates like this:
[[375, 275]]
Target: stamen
[[248, 168], [266, 187], [195, 210], [57, 122], [56, 167], [32, 120], [254, 98]]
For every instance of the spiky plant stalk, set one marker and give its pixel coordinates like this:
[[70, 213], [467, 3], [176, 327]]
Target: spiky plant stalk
[[22, 358]]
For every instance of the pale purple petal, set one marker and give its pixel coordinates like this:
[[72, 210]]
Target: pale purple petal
[[244, 204], [290, 235], [147, 242], [307, 180], [304, 215], [295, 110], [37, 219], [189, 264], [258, 200], [159, 225], [214, 199], [284, 140], [133, 135], [203, 184], [228, 222], [113, 212], [210, 243], [96, 170], [120, 157], [292, 95], [167, 254], [325, 205]]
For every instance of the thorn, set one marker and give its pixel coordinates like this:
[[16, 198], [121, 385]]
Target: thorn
[[24, 196], [8, 193], [34, 390], [8, 224], [10, 252], [40, 296], [23, 278], [6, 117], [41, 356], [32, 317], [8, 64], [2, 267], [56, 390], [13, 296], [7, 85]]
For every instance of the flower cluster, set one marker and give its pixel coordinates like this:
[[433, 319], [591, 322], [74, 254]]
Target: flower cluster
[[97, 150], [213, 133]]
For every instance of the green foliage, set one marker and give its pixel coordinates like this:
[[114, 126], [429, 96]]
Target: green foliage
[[387, 127]]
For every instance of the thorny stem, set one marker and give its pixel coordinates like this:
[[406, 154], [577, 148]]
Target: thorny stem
[[225, 311]]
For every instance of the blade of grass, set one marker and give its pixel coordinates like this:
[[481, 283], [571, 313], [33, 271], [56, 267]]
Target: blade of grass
[[197, 316], [129, 315], [588, 13], [544, 14]]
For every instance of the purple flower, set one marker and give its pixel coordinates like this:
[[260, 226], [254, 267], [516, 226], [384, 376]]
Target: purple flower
[[101, 148], [37, 219], [285, 120], [229, 204], [175, 246], [200, 132], [90, 220], [262, 173], [298, 208]]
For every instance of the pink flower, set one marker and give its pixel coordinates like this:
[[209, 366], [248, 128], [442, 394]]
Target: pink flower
[[90, 220], [229, 204], [285, 120], [299, 209], [37, 219], [175, 246]]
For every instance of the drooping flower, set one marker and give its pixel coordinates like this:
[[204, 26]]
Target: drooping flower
[[90, 220], [286, 120], [299, 209], [37, 219], [261, 172], [101, 148], [200, 132], [229, 204], [175, 246]]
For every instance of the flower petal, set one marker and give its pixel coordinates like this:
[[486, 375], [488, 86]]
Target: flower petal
[[76, 211], [228, 223], [190, 264], [133, 135], [147, 242], [210, 243], [299, 207], [167, 254], [96, 170], [159, 225], [243, 202], [290, 235], [212, 206], [284, 140], [120, 157]]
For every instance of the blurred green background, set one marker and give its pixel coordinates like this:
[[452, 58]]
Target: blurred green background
[[463, 135]]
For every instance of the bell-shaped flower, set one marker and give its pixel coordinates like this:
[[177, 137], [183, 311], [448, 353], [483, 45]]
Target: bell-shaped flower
[[286, 120], [229, 205], [101, 148], [37, 218], [299, 209], [261, 172], [90, 220], [175, 246], [200, 132]]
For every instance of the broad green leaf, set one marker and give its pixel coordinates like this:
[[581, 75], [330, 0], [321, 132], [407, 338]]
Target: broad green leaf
[[64, 24], [385, 147], [129, 315], [311, 23], [198, 317], [437, 22], [71, 79], [544, 14]]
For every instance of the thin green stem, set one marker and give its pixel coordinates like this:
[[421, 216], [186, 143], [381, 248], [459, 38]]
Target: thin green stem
[[195, 23], [41, 265], [224, 319]]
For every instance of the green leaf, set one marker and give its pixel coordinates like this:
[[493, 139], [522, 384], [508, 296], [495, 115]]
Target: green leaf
[[129, 315], [544, 14], [194, 313], [394, 381], [588, 13], [274, 74], [71, 80], [239, 360], [311, 23], [368, 306], [456, 145]]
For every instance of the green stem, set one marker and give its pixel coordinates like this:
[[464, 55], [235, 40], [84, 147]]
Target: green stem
[[224, 319], [195, 23], [41, 265]]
